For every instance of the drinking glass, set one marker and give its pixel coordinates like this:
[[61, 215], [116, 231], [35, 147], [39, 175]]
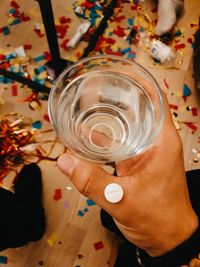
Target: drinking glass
[[106, 108]]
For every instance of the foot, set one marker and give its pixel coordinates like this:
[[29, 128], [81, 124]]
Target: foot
[[28, 188], [168, 10]]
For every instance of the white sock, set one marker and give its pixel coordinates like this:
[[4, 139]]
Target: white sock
[[167, 15]]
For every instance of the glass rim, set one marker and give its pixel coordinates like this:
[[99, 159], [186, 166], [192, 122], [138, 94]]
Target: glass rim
[[158, 89]]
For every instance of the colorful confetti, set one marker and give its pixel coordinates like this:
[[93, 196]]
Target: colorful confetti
[[52, 239], [57, 194], [98, 245], [3, 259]]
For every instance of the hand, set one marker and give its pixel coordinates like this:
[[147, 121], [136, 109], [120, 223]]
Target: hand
[[155, 212]]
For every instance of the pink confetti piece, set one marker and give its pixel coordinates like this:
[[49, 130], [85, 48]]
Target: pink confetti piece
[[98, 245], [66, 205], [57, 194]]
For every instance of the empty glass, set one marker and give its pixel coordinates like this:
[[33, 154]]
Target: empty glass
[[106, 108]]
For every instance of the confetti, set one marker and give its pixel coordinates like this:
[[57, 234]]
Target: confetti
[[66, 205], [14, 88], [179, 46], [37, 125], [98, 245], [90, 202], [46, 117], [80, 213], [57, 194], [194, 111], [173, 106], [3, 259], [186, 90], [166, 83], [191, 125], [52, 239]]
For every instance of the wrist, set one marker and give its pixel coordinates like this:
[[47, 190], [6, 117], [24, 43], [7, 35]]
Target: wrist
[[174, 234], [182, 254]]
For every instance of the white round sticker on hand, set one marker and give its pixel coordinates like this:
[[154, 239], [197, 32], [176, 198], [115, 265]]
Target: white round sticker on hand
[[113, 192]]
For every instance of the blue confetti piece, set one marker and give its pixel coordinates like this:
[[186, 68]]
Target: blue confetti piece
[[40, 70], [80, 213], [42, 81], [131, 56], [37, 125], [39, 58], [6, 30], [90, 202], [3, 259], [15, 22], [12, 11], [86, 210], [130, 21], [186, 90], [126, 50]]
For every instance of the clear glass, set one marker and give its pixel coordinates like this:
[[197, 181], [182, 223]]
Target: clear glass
[[106, 108]]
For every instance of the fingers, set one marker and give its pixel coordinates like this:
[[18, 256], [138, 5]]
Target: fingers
[[89, 179]]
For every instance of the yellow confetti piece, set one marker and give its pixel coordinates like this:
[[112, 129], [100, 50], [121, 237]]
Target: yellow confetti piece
[[52, 239], [42, 75]]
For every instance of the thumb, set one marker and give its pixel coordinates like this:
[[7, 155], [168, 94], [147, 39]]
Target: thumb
[[89, 179]]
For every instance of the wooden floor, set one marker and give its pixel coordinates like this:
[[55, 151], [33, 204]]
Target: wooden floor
[[74, 236]]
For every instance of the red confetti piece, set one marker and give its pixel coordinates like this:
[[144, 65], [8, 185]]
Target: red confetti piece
[[16, 14], [5, 65], [61, 30], [64, 20], [14, 88], [110, 52], [47, 56], [134, 7], [87, 4], [46, 117], [110, 41], [24, 18], [166, 84], [2, 57], [179, 46], [194, 111], [98, 245], [191, 125], [57, 194], [119, 19], [172, 106], [119, 31], [27, 46], [190, 41], [64, 44], [14, 4]]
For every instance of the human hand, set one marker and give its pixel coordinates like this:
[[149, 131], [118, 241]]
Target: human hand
[[155, 213]]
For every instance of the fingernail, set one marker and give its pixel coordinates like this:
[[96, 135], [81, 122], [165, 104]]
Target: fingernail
[[66, 164]]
